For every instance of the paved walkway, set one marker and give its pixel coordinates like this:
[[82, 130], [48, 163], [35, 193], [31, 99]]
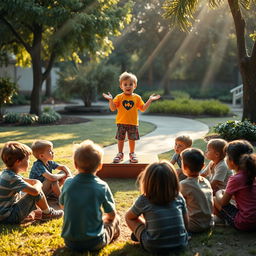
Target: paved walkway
[[162, 138], [159, 141]]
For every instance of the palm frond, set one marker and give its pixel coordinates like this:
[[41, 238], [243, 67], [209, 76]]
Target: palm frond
[[215, 3], [246, 3], [180, 12]]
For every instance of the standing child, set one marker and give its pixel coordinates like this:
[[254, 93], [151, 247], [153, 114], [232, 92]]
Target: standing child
[[197, 191], [181, 142], [43, 167], [158, 218], [14, 208], [217, 169], [241, 187], [127, 105], [85, 197]]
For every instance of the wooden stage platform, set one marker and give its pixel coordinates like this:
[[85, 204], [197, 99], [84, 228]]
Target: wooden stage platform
[[125, 169]]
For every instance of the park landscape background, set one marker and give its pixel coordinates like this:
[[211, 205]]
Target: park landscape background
[[91, 43]]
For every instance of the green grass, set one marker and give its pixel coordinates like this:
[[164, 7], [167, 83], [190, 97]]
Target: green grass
[[44, 239]]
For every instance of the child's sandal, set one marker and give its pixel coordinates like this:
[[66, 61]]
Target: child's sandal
[[133, 158], [118, 158]]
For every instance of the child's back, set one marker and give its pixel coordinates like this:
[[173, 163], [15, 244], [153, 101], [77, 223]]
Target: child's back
[[159, 216], [199, 199], [85, 198], [197, 191]]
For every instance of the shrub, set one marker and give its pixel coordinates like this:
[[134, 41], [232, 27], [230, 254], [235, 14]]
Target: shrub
[[183, 106], [49, 116], [180, 94], [11, 118], [7, 90], [27, 119], [233, 130]]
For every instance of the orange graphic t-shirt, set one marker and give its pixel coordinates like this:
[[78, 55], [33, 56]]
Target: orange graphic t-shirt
[[127, 108]]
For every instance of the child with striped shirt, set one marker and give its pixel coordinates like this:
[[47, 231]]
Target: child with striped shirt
[[158, 218]]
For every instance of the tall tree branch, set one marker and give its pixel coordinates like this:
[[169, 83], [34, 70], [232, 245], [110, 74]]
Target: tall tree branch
[[240, 28], [27, 47]]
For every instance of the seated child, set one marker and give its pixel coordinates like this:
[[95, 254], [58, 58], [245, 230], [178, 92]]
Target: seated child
[[158, 218], [241, 187], [13, 207], [181, 143], [197, 191], [42, 168], [84, 198], [217, 170]]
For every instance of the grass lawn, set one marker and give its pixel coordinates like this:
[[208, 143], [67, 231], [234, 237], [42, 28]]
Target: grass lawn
[[44, 239]]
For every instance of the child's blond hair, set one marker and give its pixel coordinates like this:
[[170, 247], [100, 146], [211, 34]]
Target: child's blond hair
[[13, 151], [185, 139], [218, 145], [88, 156], [39, 147], [125, 76]]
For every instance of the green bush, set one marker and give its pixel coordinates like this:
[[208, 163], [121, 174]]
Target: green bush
[[190, 107], [49, 116], [27, 119], [20, 99], [233, 130], [11, 118], [7, 90], [180, 94]]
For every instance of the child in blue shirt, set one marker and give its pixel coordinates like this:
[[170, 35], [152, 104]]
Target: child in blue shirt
[[14, 207], [84, 199], [43, 167]]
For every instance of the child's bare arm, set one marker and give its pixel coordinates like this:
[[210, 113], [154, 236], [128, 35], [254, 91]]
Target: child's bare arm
[[108, 217], [33, 187], [215, 184], [109, 97], [152, 97], [65, 169], [185, 218], [53, 177]]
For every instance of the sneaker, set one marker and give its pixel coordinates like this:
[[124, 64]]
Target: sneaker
[[53, 214], [118, 158], [133, 158]]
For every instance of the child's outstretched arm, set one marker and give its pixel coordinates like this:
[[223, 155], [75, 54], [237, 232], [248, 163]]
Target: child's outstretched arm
[[109, 97], [152, 97]]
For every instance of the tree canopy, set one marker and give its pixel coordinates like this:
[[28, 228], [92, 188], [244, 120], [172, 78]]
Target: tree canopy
[[182, 12], [50, 31]]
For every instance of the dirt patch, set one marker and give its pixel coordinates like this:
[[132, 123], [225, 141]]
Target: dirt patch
[[64, 120]]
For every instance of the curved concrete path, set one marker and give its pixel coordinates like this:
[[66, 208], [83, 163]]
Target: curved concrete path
[[162, 138]]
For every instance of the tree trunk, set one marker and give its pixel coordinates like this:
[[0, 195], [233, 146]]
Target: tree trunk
[[35, 103], [249, 90], [87, 101], [48, 86]]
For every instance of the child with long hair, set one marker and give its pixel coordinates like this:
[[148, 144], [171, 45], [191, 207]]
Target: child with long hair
[[158, 218], [241, 186]]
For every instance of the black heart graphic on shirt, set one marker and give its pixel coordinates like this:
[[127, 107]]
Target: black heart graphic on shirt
[[128, 104]]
